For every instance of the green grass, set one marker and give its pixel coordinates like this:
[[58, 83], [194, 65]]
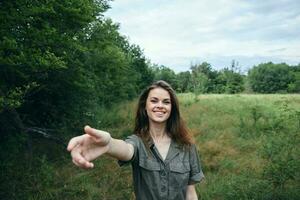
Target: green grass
[[233, 133], [248, 146]]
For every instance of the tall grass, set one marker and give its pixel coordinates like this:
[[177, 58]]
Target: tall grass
[[249, 145]]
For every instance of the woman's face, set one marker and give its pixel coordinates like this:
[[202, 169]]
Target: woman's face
[[158, 105]]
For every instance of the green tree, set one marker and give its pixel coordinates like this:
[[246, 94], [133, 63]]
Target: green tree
[[229, 82], [142, 66], [270, 77], [108, 64], [294, 86], [199, 83], [183, 80], [205, 72], [41, 57], [164, 73]]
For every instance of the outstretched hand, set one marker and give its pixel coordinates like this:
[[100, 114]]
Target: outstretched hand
[[89, 146]]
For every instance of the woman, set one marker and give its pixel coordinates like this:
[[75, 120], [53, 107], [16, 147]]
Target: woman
[[164, 159]]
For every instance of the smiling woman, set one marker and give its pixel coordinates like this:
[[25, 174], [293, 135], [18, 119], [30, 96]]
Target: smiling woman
[[164, 159]]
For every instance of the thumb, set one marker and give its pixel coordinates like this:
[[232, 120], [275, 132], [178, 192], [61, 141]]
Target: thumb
[[96, 134]]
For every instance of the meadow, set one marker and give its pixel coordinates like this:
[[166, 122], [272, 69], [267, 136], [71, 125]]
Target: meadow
[[248, 144]]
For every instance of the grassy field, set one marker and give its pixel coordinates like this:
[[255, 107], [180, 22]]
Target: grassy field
[[249, 144], [249, 148]]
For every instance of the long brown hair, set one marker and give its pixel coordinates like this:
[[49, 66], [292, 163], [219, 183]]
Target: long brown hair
[[175, 125]]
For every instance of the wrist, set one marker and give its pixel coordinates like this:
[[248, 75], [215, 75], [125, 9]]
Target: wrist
[[109, 143], [107, 138]]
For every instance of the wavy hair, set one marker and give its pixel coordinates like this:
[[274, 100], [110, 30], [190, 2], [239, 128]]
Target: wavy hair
[[175, 126]]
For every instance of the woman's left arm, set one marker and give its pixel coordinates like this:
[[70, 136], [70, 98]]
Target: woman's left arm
[[191, 193]]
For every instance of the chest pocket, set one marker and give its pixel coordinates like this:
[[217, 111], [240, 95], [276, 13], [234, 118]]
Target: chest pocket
[[149, 164], [179, 174], [149, 171]]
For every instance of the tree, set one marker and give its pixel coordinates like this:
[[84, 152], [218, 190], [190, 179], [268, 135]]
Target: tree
[[141, 66], [294, 86], [41, 58], [270, 77], [206, 74], [199, 83], [230, 82], [183, 80], [164, 73]]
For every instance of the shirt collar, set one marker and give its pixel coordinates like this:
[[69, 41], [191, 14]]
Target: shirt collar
[[173, 151]]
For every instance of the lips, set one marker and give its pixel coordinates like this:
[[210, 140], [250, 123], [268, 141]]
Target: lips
[[160, 112]]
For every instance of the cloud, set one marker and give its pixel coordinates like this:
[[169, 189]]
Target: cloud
[[176, 33]]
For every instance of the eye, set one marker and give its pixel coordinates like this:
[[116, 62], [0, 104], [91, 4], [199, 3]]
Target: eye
[[153, 101], [167, 102]]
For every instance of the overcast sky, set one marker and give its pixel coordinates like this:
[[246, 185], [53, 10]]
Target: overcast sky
[[178, 33]]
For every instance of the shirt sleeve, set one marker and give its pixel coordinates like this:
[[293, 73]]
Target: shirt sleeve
[[132, 139], [196, 174]]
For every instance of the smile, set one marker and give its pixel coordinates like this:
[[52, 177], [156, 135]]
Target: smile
[[162, 111], [159, 112]]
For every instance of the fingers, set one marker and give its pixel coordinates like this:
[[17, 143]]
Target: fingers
[[98, 136], [83, 164], [74, 142], [93, 132], [77, 140], [82, 147], [79, 160]]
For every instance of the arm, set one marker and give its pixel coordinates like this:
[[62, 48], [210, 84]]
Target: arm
[[120, 150], [191, 193], [95, 143]]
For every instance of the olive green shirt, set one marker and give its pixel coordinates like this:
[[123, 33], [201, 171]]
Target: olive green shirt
[[158, 179]]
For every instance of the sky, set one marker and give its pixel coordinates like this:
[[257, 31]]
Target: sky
[[181, 33]]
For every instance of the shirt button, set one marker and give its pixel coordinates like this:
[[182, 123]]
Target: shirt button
[[163, 188], [163, 173]]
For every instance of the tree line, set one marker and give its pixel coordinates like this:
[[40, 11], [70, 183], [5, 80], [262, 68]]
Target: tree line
[[263, 78]]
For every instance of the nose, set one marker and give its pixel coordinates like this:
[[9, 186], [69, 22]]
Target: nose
[[160, 104]]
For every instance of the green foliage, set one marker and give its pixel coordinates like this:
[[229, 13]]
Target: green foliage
[[202, 76], [183, 80], [61, 59], [206, 80], [229, 82], [199, 83], [15, 97], [245, 186], [270, 78], [166, 74], [264, 78], [62, 65], [40, 47], [281, 149], [202, 79], [282, 162], [294, 86]]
